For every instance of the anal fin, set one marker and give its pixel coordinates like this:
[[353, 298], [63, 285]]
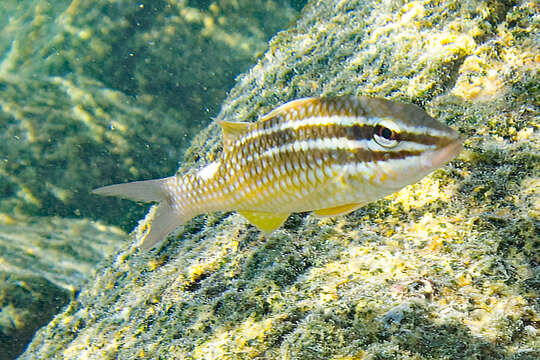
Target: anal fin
[[338, 210], [265, 221]]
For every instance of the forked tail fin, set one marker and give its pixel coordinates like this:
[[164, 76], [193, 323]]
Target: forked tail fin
[[166, 218]]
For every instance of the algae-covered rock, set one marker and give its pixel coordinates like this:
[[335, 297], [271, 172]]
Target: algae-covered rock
[[63, 136], [446, 268], [43, 262], [26, 304], [90, 91]]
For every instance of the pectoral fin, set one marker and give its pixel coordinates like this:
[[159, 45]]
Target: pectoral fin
[[266, 222], [338, 210]]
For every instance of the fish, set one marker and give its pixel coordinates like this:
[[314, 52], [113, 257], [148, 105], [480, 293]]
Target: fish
[[328, 155]]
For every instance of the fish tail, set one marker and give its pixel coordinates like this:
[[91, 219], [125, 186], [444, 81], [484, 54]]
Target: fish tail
[[166, 218]]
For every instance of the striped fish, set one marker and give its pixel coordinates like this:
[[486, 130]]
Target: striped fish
[[327, 155]]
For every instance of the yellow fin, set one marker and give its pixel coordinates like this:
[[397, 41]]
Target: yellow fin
[[232, 130], [266, 222], [338, 210], [287, 106]]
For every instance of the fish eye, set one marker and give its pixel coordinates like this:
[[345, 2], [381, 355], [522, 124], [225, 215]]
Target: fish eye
[[386, 134]]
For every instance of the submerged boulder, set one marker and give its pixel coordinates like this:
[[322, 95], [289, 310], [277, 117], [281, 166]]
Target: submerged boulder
[[445, 268], [44, 262]]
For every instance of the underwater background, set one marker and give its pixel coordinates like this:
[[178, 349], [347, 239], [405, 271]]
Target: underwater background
[[102, 92]]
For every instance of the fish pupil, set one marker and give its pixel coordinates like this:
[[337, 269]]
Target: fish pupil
[[385, 132]]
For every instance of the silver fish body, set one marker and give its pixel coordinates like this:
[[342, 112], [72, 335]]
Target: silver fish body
[[327, 155]]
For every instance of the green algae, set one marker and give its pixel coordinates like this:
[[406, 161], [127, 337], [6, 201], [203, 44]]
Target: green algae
[[446, 268]]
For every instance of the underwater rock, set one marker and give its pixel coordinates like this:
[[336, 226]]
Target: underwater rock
[[89, 91], [446, 268], [27, 303], [43, 263], [63, 136]]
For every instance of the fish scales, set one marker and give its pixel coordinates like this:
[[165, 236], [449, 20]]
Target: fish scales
[[328, 155], [275, 148]]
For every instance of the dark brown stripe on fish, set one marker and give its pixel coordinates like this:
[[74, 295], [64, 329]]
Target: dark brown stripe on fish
[[420, 138], [279, 137]]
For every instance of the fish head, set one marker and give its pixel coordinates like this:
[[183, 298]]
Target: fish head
[[407, 144]]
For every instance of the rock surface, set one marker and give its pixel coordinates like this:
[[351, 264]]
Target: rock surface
[[43, 263], [446, 268]]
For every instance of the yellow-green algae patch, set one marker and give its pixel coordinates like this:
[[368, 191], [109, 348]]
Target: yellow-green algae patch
[[445, 269]]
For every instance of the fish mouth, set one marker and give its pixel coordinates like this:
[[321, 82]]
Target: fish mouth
[[434, 159]]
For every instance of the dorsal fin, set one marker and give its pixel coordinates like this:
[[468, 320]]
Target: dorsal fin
[[232, 130], [287, 106]]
